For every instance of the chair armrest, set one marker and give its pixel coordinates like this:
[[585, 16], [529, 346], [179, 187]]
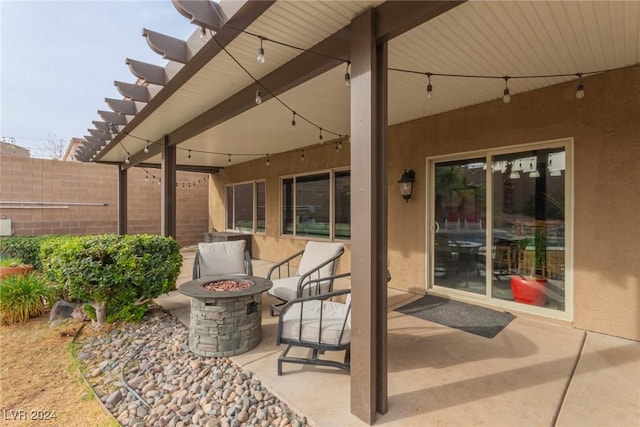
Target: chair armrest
[[247, 259], [196, 266], [283, 262], [301, 285], [326, 296]]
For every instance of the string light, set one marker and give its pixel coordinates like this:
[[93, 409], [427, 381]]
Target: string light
[[262, 86], [506, 97], [258, 97], [204, 36], [189, 156], [302, 156], [506, 93], [146, 178], [580, 91], [260, 56], [347, 75], [127, 160], [268, 163], [320, 136], [146, 149], [429, 87], [229, 161]]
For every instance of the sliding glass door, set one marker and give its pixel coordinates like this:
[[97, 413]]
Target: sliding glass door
[[498, 226], [460, 224], [528, 233]]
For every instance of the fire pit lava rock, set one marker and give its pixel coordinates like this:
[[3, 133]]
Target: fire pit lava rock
[[226, 314]]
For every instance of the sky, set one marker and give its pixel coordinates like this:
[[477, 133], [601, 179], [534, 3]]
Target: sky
[[59, 60]]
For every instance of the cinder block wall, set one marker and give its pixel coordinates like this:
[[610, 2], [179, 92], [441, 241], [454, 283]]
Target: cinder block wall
[[69, 191]]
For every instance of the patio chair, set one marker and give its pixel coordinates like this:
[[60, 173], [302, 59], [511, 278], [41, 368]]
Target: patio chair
[[452, 221], [218, 258], [318, 260], [317, 322]]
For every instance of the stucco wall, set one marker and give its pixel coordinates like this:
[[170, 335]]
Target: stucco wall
[[26, 179], [605, 126], [271, 246]]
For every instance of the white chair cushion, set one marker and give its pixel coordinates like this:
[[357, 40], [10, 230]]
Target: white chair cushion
[[333, 319], [222, 258], [315, 253], [286, 289]]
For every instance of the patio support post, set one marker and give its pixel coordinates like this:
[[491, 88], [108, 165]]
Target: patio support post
[[369, 233], [122, 200], [168, 194]]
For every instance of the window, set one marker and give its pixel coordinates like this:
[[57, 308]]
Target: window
[[245, 207], [317, 205]]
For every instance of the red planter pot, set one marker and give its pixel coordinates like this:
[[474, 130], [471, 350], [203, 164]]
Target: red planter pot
[[21, 270], [528, 290]]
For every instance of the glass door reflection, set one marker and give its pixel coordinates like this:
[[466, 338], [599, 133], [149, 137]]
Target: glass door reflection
[[459, 238]]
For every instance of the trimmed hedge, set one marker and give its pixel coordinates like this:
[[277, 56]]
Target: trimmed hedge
[[117, 273], [26, 248]]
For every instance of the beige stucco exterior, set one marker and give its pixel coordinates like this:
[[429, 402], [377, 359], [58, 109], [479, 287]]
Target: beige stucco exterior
[[605, 128]]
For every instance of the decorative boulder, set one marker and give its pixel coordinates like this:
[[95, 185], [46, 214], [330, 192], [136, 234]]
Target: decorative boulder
[[61, 310]]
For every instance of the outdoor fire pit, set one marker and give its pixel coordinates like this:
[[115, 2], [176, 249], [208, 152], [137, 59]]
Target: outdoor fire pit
[[226, 314]]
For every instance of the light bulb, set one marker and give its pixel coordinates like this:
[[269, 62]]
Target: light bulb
[[127, 160], [146, 149], [429, 87], [580, 91], [302, 157], [293, 121], [268, 163], [320, 136], [260, 56], [204, 36], [347, 76], [189, 156], [506, 98], [258, 97]]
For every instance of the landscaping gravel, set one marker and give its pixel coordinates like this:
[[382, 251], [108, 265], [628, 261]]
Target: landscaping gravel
[[167, 385]]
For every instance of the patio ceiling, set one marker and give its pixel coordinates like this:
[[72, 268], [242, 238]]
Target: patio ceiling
[[475, 38]]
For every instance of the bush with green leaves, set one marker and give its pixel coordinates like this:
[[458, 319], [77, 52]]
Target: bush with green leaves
[[26, 248], [25, 296], [11, 262], [118, 275]]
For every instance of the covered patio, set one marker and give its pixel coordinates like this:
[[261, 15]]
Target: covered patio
[[535, 372], [372, 89]]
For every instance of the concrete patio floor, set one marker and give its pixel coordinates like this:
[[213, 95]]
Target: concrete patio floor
[[533, 373]]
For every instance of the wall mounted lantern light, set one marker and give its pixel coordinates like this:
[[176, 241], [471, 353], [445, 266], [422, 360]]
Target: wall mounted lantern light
[[406, 184]]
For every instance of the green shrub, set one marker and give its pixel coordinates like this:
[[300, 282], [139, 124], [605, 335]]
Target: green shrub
[[117, 274], [25, 296], [26, 248], [11, 262]]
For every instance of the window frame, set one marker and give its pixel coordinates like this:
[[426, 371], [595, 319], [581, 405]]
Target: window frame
[[230, 211], [332, 203]]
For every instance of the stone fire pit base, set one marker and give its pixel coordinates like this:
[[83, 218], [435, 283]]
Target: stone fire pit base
[[227, 321], [226, 326]]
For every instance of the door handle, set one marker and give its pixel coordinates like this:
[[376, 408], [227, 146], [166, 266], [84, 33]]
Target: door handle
[[435, 227]]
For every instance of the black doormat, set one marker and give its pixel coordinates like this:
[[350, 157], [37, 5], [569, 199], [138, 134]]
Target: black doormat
[[454, 314]]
